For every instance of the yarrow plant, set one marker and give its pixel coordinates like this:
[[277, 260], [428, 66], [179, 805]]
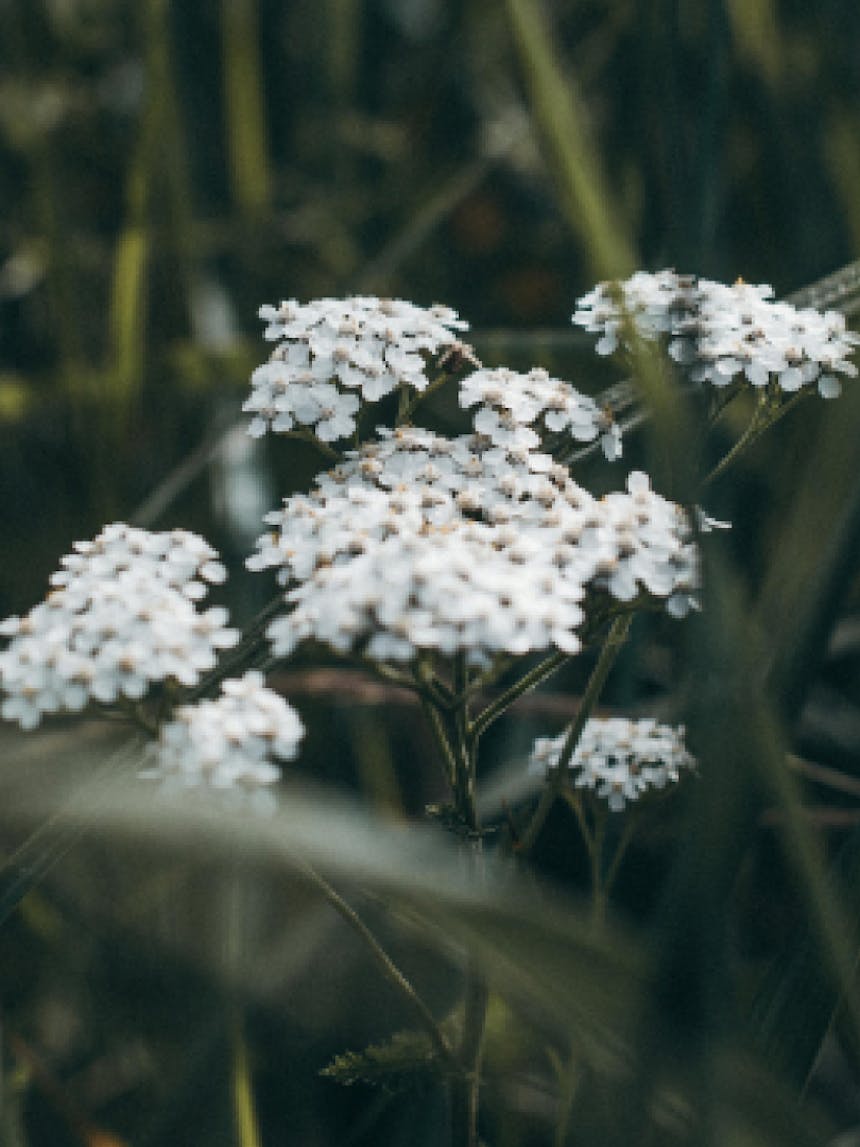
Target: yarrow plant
[[232, 742], [520, 410], [618, 758], [333, 355], [121, 618], [724, 333], [420, 543], [466, 568]]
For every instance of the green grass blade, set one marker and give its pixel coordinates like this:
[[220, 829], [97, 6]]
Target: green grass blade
[[561, 121], [244, 106]]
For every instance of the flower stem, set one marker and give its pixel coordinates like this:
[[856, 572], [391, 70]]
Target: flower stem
[[465, 746], [466, 1089], [466, 1086], [765, 416], [408, 406], [528, 681], [251, 644], [432, 687], [753, 431], [437, 725], [620, 850], [599, 890], [611, 648], [389, 969]]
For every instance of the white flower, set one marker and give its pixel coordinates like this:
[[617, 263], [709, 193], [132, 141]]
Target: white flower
[[233, 741], [333, 354], [618, 759], [418, 542], [508, 402], [725, 333], [122, 615], [503, 430]]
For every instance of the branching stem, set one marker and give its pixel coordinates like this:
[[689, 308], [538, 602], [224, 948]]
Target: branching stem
[[765, 416], [612, 646], [522, 685]]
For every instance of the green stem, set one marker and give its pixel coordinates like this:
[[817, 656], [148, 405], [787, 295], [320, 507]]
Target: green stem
[[466, 1086], [437, 725], [466, 1089], [599, 890], [528, 681], [612, 646], [752, 432], [595, 841], [491, 675], [765, 416], [435, 690], [388, 674], [389, 969], [573, 799], [465, 747], [250, 645], [403, 405], [408, 405], [722, 399], [620, 850], [308, 436]]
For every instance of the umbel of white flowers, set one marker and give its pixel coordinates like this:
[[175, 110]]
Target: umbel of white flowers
[[418, 542], [618, 759], [480, 544], [122, 615], [332, 354], [233, 741], [724, 333], [520, 411]]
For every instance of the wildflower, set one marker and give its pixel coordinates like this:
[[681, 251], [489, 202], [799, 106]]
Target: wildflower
[[121, 616], [725, 333], [231, 742], [619, 759], [513, 407], [332, 354], [419, 542]]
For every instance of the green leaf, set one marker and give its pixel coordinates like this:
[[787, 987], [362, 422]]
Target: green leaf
[[395, 1064]]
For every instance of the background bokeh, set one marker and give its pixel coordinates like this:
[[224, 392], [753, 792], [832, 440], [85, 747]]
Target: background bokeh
[[165, 168]]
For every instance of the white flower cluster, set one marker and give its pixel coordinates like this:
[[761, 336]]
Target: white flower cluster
[[619, 759], [418, 542], [725, 333], [121, 616], [231, 741], [332, 353], [510, 405]]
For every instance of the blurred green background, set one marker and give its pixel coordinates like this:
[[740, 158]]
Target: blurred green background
[[168, 167]]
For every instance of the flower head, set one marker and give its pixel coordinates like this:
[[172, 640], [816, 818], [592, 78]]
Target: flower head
[[121, 616], [231, 742], [725, 333], [332, 354], [513, 408], [418, 542], [619, 759]]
